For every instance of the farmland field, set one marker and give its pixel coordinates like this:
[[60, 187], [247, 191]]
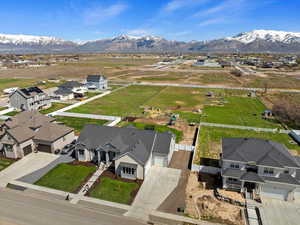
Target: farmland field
[[209, 145]]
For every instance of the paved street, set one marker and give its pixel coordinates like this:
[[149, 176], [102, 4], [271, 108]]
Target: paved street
[[21, 209]]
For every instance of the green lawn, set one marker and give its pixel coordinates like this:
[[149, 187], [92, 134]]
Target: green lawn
[[158, 128], [13, 113], [123, 102], [11, 82], [78, 123], [242, 111], [66, 177], [55, 106], [114, 190], [2, 108], [209, 144], [5, 163]]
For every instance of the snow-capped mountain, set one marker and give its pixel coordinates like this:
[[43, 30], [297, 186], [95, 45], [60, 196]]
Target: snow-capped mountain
[[254, 41], [29, 39], [267, 35]]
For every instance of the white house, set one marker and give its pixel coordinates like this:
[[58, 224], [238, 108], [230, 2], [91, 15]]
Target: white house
[[258, 166]]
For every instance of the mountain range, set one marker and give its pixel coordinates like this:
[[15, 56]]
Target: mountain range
[[254, 41]]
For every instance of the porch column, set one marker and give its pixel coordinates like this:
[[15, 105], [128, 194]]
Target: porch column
[[107, 158], [98, 158]]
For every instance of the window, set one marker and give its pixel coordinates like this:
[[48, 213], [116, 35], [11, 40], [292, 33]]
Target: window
[[268, 171], [234, 166], [81, 152], [8, 148], [232, 179], [127, 170]]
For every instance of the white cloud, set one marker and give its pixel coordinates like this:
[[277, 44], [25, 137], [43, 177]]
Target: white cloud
[[212, 21], [99, 14], [225, 7], [179, 4]]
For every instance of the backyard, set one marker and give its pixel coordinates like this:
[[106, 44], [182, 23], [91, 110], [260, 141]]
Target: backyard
[[5, 163], [243, 111], [209, 144], [158, 128], [115, 190], [66, 177], [54, 107], [78, 123]]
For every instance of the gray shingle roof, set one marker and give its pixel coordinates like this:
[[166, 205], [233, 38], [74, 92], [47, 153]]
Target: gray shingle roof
[[235, 173], [136, 143], [251, 177], [70, 84], [283, 178], [262, 152], [95, 78]]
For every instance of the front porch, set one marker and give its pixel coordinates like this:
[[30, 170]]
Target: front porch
[[230, 183]]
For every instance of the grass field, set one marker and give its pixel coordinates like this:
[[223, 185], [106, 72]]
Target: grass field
[[55, 106], [123, 102], [78, 123], [5, 163], [158, 128], [114, 190], [11, 82], [242, 111], [131, 100], [209, 145], [66, 177]]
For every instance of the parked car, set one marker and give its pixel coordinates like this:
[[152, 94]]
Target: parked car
[[57, 151]]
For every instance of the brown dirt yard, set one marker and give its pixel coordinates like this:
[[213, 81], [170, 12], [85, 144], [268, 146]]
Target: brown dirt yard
[[201, 203]]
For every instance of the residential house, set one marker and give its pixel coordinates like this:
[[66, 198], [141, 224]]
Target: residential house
[[131, 151], [261, 167], [69, 90], [31, 131], [28, 99], [96, 82]]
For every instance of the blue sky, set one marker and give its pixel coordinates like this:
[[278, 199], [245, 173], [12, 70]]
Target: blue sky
[[173, 19]]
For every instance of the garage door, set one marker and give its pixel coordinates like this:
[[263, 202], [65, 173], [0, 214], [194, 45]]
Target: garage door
[[274, 192], [159, 161], [44, 148], [27, 150]]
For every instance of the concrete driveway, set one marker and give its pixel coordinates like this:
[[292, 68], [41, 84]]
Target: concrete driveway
[[158, 185], [277, 212], [25, 166]]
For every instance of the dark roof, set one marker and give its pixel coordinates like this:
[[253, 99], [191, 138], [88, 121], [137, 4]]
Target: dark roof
[[283, 178], [251, 177], [95, 78], [31, 91], [136, 143], [235, 173], [63, 91], [262, 152], [162, 143], [71, 84]]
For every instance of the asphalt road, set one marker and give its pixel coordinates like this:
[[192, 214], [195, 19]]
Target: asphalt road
[[18, 208]]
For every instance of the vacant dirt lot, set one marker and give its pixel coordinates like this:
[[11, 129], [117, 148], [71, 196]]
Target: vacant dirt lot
[[201, 203]]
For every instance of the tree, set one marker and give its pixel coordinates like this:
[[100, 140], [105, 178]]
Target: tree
[[288, 113]]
